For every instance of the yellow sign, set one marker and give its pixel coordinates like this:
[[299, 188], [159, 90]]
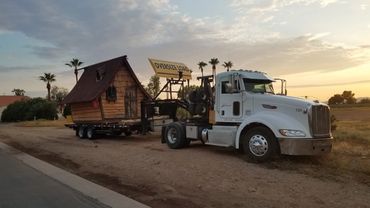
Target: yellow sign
[[170, 69]]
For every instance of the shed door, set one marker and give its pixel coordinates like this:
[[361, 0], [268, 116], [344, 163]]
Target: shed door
[[130, 103]]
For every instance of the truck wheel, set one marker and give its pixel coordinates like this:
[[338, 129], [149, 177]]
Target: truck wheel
[[187, 142], [90, 132], [175, 135], [259, 144], [81, 132]]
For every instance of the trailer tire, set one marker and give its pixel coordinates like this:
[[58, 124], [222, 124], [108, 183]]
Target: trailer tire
[[175, 135], [127, 132], [90, 132], [259, 145], [81, 132], [116, 133]]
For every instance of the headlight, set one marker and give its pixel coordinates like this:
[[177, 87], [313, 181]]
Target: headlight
[[292, 133]]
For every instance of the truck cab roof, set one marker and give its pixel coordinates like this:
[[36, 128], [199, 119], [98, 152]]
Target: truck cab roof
[[249, 74]]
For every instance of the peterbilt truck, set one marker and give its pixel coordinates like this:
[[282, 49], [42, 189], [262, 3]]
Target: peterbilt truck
[[242, 111]]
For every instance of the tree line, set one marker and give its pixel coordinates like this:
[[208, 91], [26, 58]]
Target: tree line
[[347, 97], [40, 108]]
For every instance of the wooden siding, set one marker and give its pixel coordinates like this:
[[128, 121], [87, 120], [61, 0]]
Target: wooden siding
[[85, 112], [123, 82]]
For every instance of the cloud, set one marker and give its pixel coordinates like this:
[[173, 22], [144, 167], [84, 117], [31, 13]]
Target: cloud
[[265, 6], [331, 84], [101, 30], [317, 36], [7, 69], [277, 57]]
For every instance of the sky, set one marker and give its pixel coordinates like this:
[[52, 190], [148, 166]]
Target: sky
[[321, 47]]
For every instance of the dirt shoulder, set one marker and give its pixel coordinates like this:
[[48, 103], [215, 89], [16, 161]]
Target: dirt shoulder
[[199, 176]]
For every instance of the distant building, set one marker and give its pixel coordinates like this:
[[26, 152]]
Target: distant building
[[6, 100]]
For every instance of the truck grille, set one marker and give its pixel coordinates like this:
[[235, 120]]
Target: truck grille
[[320, 121]]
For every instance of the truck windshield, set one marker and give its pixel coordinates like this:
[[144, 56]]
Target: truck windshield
[[258, 86]]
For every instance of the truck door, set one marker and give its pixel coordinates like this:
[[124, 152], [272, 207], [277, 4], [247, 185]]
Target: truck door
[[230, 98]]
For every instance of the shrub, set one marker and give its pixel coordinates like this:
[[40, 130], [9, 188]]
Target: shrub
[[29, 109]]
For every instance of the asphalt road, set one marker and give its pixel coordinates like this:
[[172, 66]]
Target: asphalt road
[[23, 186]]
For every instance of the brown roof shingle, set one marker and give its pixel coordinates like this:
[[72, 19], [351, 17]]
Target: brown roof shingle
[[88, 88]]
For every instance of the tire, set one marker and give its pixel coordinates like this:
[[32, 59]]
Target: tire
[[175, 136], [260, 145], [193, 96], [128, 133], [81, 132], [187, 142], [90, 132]]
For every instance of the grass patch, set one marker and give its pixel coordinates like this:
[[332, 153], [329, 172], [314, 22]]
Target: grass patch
[[42, 123], [353, 131], [350, 105], [349, 159]]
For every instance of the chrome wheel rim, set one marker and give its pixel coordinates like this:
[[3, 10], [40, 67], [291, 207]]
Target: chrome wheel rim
[[258, 145], [89, 133], [172, 135], [81, 132]]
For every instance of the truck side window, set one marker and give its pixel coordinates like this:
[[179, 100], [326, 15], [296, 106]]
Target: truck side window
[[226, 87]]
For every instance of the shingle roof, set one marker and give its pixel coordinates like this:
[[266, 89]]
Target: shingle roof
[[6, 100], [88, 88]]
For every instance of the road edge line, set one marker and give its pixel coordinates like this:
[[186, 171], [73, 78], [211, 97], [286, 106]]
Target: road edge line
[[86, 187]]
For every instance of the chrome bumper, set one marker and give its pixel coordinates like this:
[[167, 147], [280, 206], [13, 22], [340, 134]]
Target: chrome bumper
[[303, 146]]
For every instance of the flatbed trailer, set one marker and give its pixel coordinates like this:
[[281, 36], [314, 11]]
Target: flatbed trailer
[[93, 129]]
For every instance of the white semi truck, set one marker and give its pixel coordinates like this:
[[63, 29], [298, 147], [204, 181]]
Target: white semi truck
[[242, 111]]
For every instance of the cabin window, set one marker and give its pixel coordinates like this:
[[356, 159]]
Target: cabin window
[[111, 93], [99, 75]]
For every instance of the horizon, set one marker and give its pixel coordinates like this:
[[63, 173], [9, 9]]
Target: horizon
[[310, 43]]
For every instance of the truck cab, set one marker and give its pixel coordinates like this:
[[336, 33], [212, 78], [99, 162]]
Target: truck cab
[[246, 114]]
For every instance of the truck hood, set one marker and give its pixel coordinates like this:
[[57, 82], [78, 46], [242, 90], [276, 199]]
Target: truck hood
[[288, 101]]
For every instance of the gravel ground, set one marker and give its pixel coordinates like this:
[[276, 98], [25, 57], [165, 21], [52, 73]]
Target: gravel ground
[[198, 176]]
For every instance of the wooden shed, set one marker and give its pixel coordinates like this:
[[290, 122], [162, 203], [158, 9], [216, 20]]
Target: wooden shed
[[107, 91]]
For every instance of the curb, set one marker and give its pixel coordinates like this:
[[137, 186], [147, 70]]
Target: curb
[[88, 188]]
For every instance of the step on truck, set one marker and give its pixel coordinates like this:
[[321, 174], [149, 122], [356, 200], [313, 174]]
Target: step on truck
[[242, 111]]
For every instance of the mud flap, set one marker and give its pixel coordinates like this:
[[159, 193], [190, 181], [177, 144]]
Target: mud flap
[[163, 132]]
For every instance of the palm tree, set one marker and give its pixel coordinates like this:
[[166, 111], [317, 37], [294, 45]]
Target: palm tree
[[214, 62], [228, 65], [75, 63], [201, 65], [48, 78], [18, 92]]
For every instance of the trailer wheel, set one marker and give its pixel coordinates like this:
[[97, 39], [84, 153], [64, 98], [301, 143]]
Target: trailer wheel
[[90, 132], [260, 144], [116, 133], [81, 132], [175, 136], [127, 133]]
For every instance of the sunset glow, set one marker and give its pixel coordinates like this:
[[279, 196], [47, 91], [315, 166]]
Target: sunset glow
[[321, 47]]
